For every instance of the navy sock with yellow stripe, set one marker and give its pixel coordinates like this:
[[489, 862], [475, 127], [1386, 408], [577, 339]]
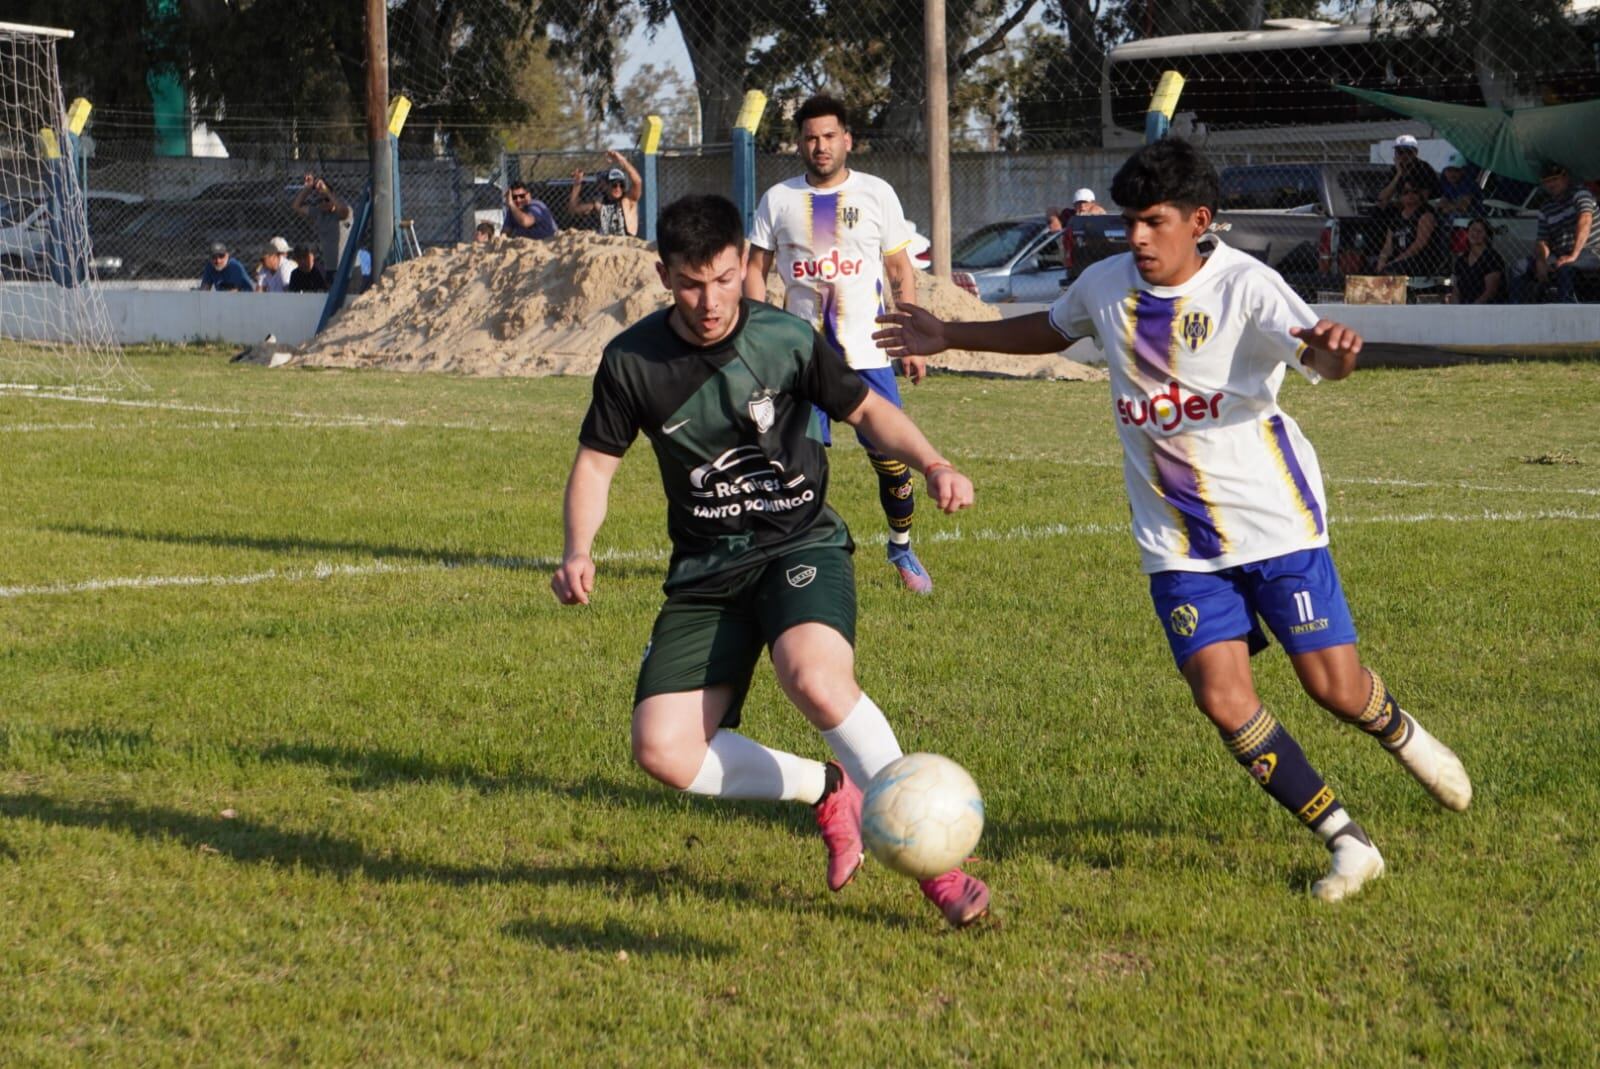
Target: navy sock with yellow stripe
[[1382, 717], [1270, 754], [895, 491]]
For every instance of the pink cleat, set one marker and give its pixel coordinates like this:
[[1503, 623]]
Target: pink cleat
[[961, 898], [839, 819], [912, 573]]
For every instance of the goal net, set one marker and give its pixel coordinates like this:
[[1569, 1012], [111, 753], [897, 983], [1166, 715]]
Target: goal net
[[54, 327]]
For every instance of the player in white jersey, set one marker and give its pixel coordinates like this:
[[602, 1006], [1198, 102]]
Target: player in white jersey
[[837, 236], [1228, 507]]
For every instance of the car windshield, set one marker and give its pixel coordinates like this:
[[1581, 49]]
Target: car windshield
[[994, 245]]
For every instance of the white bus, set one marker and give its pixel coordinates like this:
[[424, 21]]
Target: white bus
[[1275, 85]]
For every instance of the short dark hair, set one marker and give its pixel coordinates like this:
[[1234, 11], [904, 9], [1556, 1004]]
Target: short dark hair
[[697, 227], [1169, 171], [514, 186], [822, 105]]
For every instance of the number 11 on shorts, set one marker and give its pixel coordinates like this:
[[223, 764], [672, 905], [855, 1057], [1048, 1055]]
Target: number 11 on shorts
[[1302, 606]]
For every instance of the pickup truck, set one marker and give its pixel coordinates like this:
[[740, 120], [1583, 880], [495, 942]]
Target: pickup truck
[[1293, 216]]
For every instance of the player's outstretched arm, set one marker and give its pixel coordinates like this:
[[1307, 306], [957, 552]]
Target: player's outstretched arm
[[588, 488], [911, 330], [1331, 347], [892, 431], [756, 266]]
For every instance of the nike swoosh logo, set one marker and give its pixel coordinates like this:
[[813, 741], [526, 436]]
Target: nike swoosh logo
[[672, 427]]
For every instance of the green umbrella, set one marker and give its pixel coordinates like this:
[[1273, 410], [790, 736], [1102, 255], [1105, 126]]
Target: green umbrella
[[1509, 142]]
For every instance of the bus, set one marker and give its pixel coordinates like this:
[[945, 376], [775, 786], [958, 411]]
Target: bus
[[1276, 85]]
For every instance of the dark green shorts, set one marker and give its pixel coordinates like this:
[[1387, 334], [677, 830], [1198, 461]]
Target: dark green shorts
[[704, 638]]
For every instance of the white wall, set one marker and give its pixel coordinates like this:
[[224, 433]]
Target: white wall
[[45, 312]]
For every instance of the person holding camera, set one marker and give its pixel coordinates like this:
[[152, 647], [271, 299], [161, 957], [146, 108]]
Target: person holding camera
[[329, 213]]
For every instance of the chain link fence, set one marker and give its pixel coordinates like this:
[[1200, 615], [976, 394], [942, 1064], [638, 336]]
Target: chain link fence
[[1047, 96]]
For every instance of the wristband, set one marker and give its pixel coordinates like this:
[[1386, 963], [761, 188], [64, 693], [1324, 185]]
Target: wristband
[[935, 466]]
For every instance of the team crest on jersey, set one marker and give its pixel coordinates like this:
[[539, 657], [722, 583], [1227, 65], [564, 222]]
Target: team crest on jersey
[[763, 411], [1194, 328], [1184, 619], [850, 217]]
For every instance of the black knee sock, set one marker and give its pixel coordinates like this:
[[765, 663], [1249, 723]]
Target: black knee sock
[[1382, 717], [1271, 755], [895, 491]]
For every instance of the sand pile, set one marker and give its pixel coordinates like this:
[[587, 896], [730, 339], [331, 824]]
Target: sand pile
[[518, 307]]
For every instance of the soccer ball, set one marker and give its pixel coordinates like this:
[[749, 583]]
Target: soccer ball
[[921, 815]]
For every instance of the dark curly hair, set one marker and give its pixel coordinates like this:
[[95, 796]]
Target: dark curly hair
[[1170, 171]]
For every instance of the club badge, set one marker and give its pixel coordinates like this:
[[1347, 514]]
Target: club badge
[[763, 411]]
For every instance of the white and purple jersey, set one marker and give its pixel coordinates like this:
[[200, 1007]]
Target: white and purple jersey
[[1218, 475], [829, 246]]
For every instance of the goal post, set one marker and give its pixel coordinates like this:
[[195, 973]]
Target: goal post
[[55, 330]]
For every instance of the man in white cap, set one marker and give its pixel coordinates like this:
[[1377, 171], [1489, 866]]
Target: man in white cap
[[618, 206], [1408, 164], [1083, 203], [276, 267]]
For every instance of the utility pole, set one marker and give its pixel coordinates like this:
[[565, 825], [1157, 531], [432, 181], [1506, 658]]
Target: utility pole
[[378, 135], [938, 127]]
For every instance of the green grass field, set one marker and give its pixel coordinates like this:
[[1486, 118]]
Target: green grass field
[[301, 763]]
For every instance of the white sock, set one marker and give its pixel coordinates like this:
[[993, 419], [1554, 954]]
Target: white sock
[[739, 767], [863, 742], [1335, 823]]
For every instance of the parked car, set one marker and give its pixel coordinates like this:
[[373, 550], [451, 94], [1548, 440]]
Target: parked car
[[25, 235], [1292, 216], [1011, 260], [168, 239]]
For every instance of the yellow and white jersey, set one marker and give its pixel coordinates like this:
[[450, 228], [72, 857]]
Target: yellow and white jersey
[[829, 246], [1217, 473]]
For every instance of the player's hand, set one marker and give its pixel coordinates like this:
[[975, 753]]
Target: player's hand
[[574, 580], [914, 368], [910, 330], [949, 489], [1329, 337]]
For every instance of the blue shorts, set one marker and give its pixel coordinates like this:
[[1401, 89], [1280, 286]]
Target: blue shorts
[[1297, 594], [880, 380]]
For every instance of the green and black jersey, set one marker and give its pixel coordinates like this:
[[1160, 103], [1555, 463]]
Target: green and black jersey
[[736, 436]]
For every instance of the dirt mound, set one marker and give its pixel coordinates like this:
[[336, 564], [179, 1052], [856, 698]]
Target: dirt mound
[[519, 307]]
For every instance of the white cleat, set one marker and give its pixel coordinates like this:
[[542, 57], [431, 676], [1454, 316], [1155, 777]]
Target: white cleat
[[1354, 863], [1436, 767]]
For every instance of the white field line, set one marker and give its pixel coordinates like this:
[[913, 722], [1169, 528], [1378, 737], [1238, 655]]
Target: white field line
[[1029, 533], [309, 419], [297, 418], [1416, 484]]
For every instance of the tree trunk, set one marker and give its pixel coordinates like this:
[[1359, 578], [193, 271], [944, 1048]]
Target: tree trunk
[[718, 35]]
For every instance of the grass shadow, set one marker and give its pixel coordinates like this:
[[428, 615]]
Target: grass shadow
[[374, 550], [612, 935], [1097, 843], [253, 842]]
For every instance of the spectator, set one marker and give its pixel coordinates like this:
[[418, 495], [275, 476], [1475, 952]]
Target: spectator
[[276, 267], [1569, 241], [1409, 165], [1083, 203], [308, 277], [484, 233], [1480, 272], [1415, 243], [527, 217], [223, 272], [1459, 193], [1055, 220], [618, 207], [328, 213]]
